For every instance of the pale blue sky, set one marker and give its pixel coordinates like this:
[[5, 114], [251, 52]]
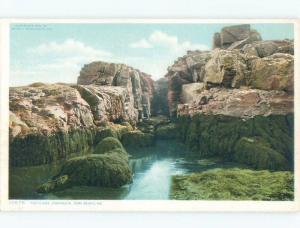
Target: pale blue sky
[[56, 52]]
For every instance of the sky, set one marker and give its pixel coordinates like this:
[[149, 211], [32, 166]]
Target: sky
[[56, 52]]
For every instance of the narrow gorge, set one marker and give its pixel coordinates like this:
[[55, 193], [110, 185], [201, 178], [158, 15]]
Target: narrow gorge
[[218, 117]]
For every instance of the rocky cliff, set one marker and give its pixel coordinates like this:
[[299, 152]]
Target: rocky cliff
[[241, 63], [236, 101], [51, 122]]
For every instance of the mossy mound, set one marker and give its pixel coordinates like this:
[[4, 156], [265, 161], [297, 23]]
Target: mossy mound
[[217, 135], [108, 144], [137, 139], [104, 133], [114, 130], [108, 167], [258, 153], [166, 131], [234, 184], [103, 170]]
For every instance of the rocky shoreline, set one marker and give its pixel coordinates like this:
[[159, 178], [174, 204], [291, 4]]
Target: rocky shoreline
[[235, 102]]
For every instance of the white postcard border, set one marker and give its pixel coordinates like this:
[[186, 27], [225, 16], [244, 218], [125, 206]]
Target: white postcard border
[[135, 205]]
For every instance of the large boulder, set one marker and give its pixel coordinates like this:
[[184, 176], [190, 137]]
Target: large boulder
[[269, 47], [235, 36], [225, 68], [275, 72]]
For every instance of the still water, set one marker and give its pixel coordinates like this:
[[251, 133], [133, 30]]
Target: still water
[[153, 168]]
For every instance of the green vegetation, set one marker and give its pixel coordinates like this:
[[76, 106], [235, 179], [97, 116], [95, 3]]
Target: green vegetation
[[233, 184], [108, 168], [37, 149], [137, 139], [108, 144], [104, 133], [217, 135], [258, 153], [166, 131]]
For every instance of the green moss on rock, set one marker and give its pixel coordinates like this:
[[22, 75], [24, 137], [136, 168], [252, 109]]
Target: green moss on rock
[[108, 144], [38, 149], [106, 170], [137, 139], [234, 184], [258, 153], [104, 133], [217, 135], [166, 131]]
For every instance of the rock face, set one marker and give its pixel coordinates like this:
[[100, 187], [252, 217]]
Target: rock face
[[255, 64], [52, 122], [138, 86], [244, 103], [239, 92], [45, 109], [188, 69]]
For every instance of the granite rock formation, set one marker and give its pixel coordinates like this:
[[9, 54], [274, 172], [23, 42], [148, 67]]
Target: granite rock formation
[[237, 100], [138, 86], [52, 122], [255, 64]]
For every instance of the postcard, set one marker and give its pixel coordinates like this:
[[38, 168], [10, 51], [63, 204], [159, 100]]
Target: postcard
[[149, 115]]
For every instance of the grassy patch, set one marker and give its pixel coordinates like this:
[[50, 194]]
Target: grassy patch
[[234, 184]]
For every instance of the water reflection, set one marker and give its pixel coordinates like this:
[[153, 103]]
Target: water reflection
[[153, 169]]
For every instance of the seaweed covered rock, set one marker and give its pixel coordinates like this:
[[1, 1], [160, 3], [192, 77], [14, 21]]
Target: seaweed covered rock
[[39, 149], [113, 130], [166, 131], [218, 135], [234, 184], [137, 139], [108, 144], [259, 154], [105, 170], [108, 167]]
